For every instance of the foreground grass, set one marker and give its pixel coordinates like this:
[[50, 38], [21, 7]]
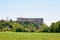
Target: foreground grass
[[29, 36]]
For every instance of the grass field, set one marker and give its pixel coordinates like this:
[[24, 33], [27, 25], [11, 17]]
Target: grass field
[[29, 36]]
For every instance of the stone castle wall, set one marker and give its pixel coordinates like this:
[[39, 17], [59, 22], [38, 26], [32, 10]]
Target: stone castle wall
[[38, 20]]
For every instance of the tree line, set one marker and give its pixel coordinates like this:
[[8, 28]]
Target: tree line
[[21, 26]]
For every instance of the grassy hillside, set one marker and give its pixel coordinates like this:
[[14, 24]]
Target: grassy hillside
[[29, 36]]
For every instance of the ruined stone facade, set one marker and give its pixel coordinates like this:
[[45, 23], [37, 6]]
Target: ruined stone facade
[[37, 20]]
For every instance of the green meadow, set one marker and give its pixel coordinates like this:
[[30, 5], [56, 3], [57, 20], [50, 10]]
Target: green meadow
[[28, 36]]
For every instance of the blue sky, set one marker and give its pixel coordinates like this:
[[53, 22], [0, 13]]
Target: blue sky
[[47, 9]]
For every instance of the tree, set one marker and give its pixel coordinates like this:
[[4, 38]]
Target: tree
[[53, 27], [18, 30], [1, 27], [11, 20], [58, 27], [44, 28]]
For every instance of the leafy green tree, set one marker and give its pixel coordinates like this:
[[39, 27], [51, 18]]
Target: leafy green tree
[[26, 30], [53, 27], [11, 20], [18, 30], [1, 27], [44, 28], [58, 27]]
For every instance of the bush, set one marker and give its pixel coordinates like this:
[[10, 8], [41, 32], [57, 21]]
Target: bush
[[18, 30]]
